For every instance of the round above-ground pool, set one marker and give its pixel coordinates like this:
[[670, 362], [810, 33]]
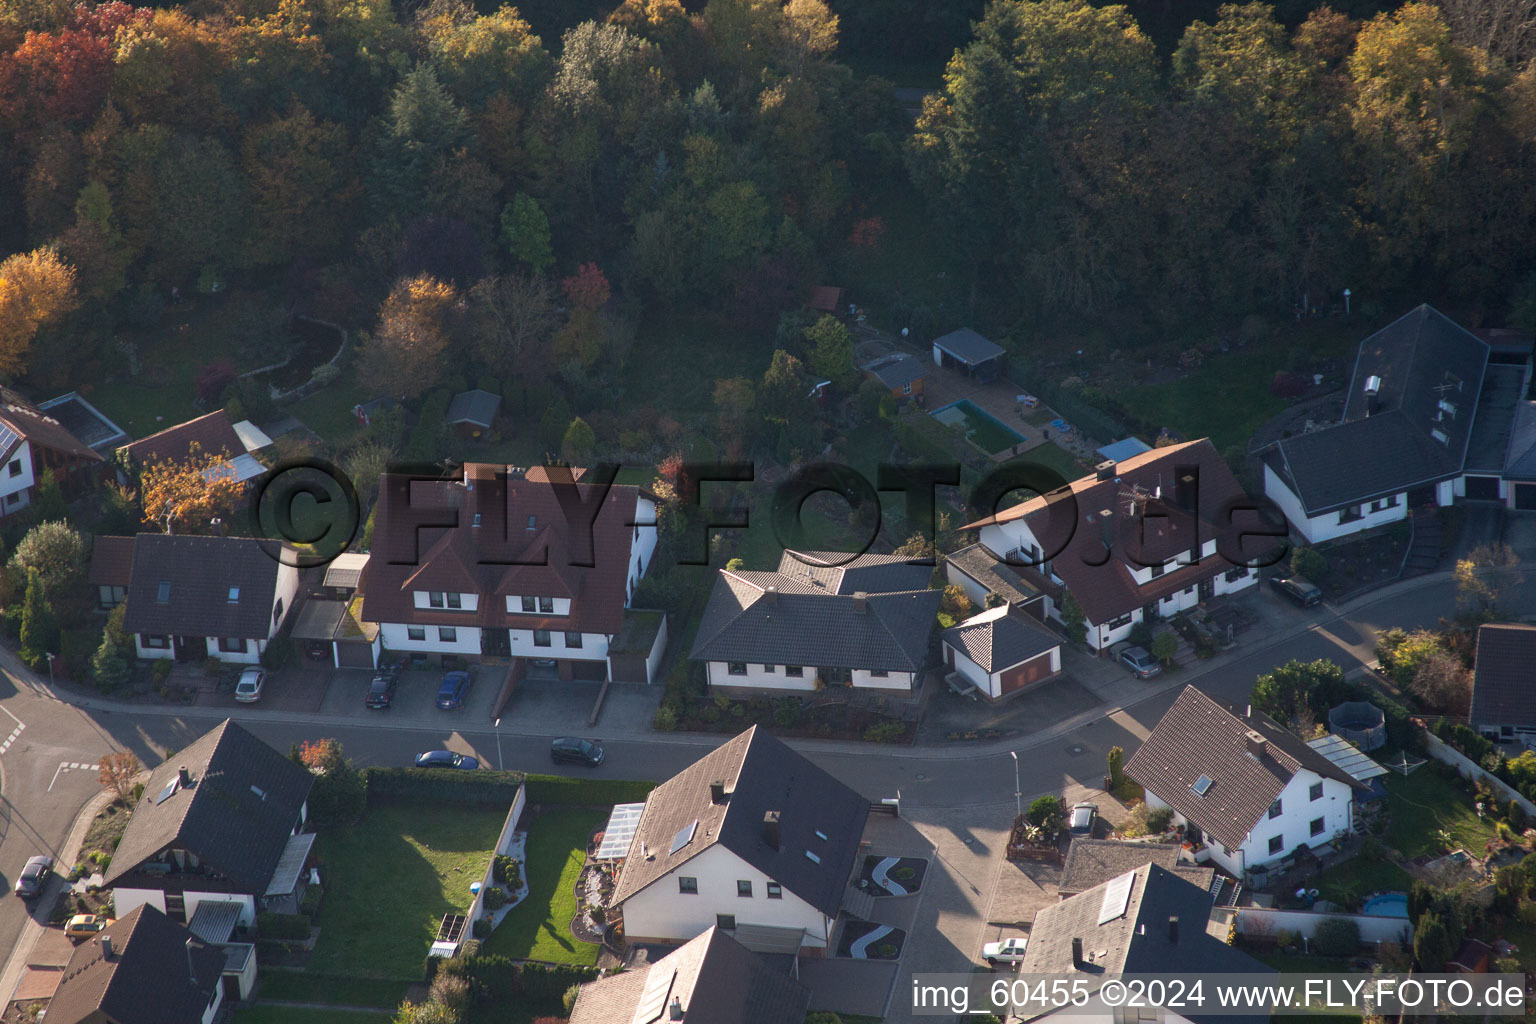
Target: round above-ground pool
[[1388, 904]]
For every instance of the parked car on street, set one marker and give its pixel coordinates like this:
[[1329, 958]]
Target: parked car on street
[[34, 877], [1007, 951], [252, 682], [83, 926], [1301, 591], [446, 759], [1140, 661], [1080, 821], [574, 750], [451, 694]]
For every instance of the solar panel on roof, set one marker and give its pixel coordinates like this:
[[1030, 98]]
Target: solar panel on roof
[[684, 836], [653, 998], [620, 831], [165, 794], [1117, 896]]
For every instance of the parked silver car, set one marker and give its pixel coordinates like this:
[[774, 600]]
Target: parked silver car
[[1140, 661]]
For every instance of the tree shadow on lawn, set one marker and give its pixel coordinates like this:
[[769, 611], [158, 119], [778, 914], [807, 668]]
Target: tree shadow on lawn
[[391, 879]]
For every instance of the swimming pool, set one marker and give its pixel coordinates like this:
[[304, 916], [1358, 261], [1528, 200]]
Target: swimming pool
[[1391, 904], [982, 429]]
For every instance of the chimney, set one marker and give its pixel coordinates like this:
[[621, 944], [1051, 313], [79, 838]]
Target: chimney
[[1372, 384], [191, 971], [184, 777], [861, 601], [1105, 470], [1186, 488], [1077, 952], [1107, 528], [771, 829], [1255, 743], [675, 1009], [1173, 930], [771, 595], [717, 791], [219, 528], [106, 947]]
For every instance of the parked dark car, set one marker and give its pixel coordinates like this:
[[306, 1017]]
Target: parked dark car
[[574, 750], [381, 692], [451, 694], [1302, 591], [446, 759], [34, 877]]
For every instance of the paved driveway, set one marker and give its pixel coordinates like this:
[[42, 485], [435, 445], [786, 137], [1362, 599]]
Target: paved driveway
[[301, 688]]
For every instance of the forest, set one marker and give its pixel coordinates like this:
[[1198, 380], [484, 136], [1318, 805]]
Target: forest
[[520, 195]]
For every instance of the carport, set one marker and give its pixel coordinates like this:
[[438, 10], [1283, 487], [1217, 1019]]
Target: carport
[[967, 350], [353, 643]]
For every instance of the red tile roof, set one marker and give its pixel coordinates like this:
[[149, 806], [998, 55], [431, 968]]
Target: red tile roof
[[1168, 518], [112, 561], [212, 433], [30, 422], [526, 544]]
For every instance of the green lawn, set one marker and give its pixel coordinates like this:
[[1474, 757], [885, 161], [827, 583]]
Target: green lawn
[[328, 412], [260, 1014], [1362, 877], [1422, 804], [391, 878], [539, 928], [307, 987]]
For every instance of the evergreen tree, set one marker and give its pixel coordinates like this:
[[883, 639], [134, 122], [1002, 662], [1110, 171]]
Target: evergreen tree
[[112, 664], [50, 503], [39, 629]]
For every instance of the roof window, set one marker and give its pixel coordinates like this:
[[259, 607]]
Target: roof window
[[1202, 785], [163, 595]]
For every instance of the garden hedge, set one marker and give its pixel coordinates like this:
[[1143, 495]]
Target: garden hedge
[[283, 926], [560, 789], [434, 785]]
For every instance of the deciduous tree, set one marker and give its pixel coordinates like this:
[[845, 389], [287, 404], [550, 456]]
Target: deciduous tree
[[513, 322], [117, 773], [525, 232], [403, 356], [37, 290], [183, 495], [831, 348]]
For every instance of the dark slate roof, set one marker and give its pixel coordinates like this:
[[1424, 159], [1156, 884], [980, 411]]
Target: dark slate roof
[[1072, 520], [152, 977], [1000, 638], [1383, 444], [201, 571], [1137, 941], [112, 561], [474, 407], [240, 832], [968, 346], [716, 979], [26, 420], [761, 774], [1200, 737], [1092, 862], [1503, 388], [1502, 693], [896, 370], [772, 619], [1520, 454], [982, 566]]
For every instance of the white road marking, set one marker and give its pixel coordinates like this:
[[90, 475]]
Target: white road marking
[[20, 725], [65, 766]]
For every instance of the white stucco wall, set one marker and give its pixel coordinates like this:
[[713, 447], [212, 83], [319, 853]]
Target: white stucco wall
[[1317, 529], [659, 911], [423, 599], [562, 606], [642, 547], [594, 646], [758, 677], [124, 900], [18, 484], [992, 683], [396, 637]]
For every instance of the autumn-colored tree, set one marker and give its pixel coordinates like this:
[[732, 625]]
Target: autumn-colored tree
[[37, 290], [587, 288], [297, 167], [512, 321], [117, 773], [661, 21], [183, 495], [582, 339], [735, 404], [320, 756], [478, 54], [403, 357]]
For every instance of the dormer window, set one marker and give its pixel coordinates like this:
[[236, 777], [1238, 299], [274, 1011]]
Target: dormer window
[[234, 595], [455, 600], [547, 605], [163, 595], [528, 605], [435, 599], [1449, 408]]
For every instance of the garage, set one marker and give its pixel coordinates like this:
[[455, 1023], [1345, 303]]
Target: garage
[[1002, 651], [1032, 671], [1525, 497], [1482, 488], [354, 654]]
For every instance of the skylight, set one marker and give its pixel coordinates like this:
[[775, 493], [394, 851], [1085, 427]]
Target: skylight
[[234, 595], [812, 857], [164, 594], [1117, 896], [1202, 785], [1440, 435], [821, 835], [684, 836]]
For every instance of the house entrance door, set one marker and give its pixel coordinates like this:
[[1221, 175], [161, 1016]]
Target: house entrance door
[[1207, 589], [191, 648]]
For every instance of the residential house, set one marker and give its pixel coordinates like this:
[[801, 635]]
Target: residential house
[[143, 968], [1092, 862], [1002, 651], [1474, 957], [194, 598], [985, 580], [1135, 541], [1429, 419], [111, 570], [1146, 921], [1503, 701], [899, 373], [1248, 788], [752, 839], [330, 619], [712, 979], [471, 413], [502, 563], [213, 435], [815, 623], [826, 298], [221, 822], [32, 442], [966, 350]]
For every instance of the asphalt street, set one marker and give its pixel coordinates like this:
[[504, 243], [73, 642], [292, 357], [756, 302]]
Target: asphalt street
[[47, 773]]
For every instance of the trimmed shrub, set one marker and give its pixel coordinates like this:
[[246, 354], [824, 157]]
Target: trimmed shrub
[[577, 792], [548, 984], [1158, 820], [495, 898], [1337, 936], [433, 785], [161, 672], [504, 869], [290, 927], [886, 732]]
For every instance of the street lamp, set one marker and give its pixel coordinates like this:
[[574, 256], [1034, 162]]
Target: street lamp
[[1018, 794], [50, 668], [1346, 301], [499, 765]]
